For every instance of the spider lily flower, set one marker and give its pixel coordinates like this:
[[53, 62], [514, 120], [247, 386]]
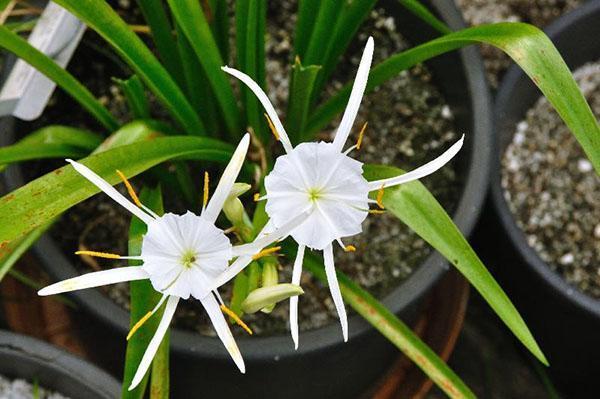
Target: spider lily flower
[[322, 178], [182, 256]]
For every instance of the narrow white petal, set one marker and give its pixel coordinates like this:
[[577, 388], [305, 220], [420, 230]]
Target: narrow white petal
[[266, 103], [110, 191], [155, 341], [334, 288], [296, 274], [227, 181], [358, 89], [220, 324], [421, 171], [95, 279]]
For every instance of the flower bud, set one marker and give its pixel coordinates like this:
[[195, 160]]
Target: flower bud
[[266, 296]]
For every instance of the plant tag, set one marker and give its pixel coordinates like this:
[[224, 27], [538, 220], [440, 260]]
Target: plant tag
[[26, 91]]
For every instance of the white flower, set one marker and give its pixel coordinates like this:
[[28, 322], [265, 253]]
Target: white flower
[[183, 256], [321, 179]]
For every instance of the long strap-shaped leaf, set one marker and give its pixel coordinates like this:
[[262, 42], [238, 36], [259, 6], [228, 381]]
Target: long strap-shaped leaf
[[46, 197], [98, 15], [22, 49], [526, 45], [191, 20], [414, 205], [396, 331]]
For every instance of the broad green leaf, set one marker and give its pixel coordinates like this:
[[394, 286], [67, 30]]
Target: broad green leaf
[[191, 20], [143, 300], [132, 132], [44, 198], [3, 4], [53, 141], [528, 46], [240, 292], [414, 205], [136, 97], [301, 88], [106, 22], [321, 37], [418, 9], [396, 331], [307, 13], [19, 46], [162, 35], [220, 26]]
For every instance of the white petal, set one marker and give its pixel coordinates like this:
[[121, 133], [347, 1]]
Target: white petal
[[421, 171], [227, 181], [358, 89], [264, 100], [95, 279], [155, 341], [296, 274], [220, 324], [110, 191], [334, 288], [232, 271]]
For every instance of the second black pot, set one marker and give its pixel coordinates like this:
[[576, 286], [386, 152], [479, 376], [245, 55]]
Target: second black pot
[[324, 366], [565, 322]]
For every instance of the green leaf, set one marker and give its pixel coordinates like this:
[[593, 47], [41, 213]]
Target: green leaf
[[44, 198], [132, 132], [135, 95], [265, 297], [19, 46], [418, 9], [321, 37], [143, 299], [191, 20], [220, 26], [396, 331], [10, 253], [414, 205], [106, 22], [301, 88], [162, 35], [526, 45], [307, 13], [239, 294], [53, 141]]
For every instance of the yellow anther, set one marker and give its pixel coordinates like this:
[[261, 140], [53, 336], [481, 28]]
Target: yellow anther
[[376, 211], [130, 190], [272, 127], [350, 248], [99, 254], [256, 197], [139, 324], [205, 193], [360, 136], [265, 252], [380, 197], [236, 318]]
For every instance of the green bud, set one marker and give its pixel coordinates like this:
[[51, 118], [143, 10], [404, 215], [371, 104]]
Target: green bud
[[266, 296], [270, 277], [233, 207]]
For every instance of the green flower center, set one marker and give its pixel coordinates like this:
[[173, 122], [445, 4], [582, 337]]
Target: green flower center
[[314, 194], [188, 259]]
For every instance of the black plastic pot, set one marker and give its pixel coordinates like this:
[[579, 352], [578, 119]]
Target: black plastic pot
[[26, 358], [323, 366], [565, 321]]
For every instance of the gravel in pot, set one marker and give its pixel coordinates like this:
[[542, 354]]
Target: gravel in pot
[[546, 196]]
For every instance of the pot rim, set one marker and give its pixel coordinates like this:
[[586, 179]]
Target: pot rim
[[36, 354], [514, 78], [406, 294]]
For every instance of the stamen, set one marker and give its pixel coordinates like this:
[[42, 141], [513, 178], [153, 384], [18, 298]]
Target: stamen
[[380, 197], [205, 193], [376, 211], [272, 127], [256, 197], [350, 248], [360, 135], [139, 324], [130, 190], [98, 254], [265, 252], [236, 318]]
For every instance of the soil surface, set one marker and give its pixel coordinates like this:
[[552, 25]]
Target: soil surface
[[409, 124], [554, 191], [537, 12], [21, 389]]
